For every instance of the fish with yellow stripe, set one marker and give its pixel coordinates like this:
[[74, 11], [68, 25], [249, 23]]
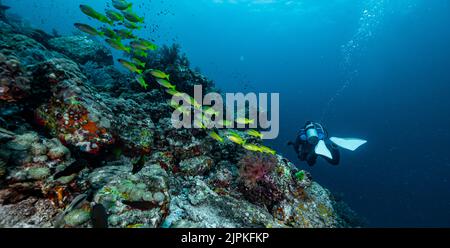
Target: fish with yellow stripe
[[235, 138], [140, 79], [255, 133], [216, 136], [130, 66], [88, 29], [244, 121], [225, 123], [131, 25], [143, 45], [138, 62], [132, 17], [114, 16], [117, 44], [166, 84], [121, 4], [89, 11], [252, 147], [159, 74], [268, 150]]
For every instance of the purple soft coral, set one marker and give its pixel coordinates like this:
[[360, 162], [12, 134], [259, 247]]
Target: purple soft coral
[[254, 167], [256, 180]]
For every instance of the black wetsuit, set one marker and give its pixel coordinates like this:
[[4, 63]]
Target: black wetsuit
[[305, 151]]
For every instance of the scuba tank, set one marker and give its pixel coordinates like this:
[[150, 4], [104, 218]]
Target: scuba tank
[[312, 133], [315, 135], [312, 136]]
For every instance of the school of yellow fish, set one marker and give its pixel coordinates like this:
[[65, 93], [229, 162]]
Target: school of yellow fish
[[119, 22]]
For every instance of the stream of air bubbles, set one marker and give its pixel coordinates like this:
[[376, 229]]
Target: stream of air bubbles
[[370, 20]]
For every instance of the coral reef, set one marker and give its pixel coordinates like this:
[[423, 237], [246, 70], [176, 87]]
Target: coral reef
[[14, 83], [82, 146], [173, 62], [258, 180], [81, 49]]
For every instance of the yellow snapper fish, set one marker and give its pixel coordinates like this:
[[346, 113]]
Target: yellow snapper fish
[[205, 120], [140, 79], [114, 16], [244, 121], [216, 136], [140, 53], [268, 150], [137, 45], [131, 25], [148, 44], [200, 124], [89, 11], [116, 44], [88, 29], [174, 92], [110, 33], [138, 62], [252, 147], [195, 103], [192, 102], [186, 110], [233, 133], [125, 34], [121, 4], [255, 133], [173, 104], [143, 45], [236, 139], [211, 111], [132, 17], [160, 74], [225, 123], [130, 66], [166, 84]]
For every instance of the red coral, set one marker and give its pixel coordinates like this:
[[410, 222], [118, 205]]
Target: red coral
[[257, 179], [255, 167], [72, 124]]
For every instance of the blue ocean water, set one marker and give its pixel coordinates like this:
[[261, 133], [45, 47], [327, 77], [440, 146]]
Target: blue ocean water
[[375, 69]]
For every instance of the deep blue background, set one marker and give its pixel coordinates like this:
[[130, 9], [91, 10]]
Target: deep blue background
[[398, 99]]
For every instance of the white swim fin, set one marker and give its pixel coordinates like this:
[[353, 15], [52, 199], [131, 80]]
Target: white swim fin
[[322, 149], [348, 143]]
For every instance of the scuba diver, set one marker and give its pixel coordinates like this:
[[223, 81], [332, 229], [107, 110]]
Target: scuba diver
[[313, 141]]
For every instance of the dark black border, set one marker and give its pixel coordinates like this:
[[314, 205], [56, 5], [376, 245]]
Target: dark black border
[[301, 238]]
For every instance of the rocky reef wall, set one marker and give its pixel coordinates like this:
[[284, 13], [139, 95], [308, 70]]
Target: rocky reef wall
[[81, 145]]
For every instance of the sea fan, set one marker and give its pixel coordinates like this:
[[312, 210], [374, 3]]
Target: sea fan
[[172, 55]]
